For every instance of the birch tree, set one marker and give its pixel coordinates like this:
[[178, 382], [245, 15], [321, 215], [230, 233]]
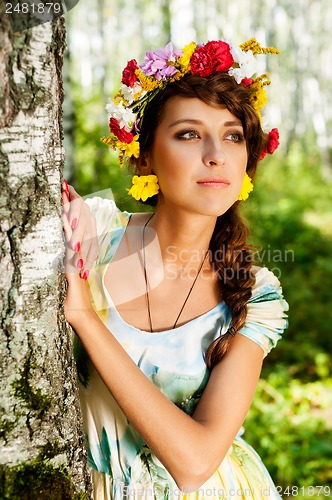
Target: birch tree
[[42, 451]]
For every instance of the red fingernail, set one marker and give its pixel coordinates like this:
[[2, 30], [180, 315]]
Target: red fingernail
[[66, 193], [80, 264], [74, 223], [65, 188], [86, 274], [77, 247]]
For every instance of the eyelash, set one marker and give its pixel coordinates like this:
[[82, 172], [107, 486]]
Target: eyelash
[[237, 136], [181, 135]]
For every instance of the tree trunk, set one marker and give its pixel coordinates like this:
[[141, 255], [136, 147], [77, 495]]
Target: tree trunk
[[42, 450]]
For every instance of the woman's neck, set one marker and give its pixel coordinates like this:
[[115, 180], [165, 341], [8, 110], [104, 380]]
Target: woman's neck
[[182, 236]]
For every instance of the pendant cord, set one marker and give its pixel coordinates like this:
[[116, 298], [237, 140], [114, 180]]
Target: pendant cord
[[147, 298], [192, 286], [146, 281]]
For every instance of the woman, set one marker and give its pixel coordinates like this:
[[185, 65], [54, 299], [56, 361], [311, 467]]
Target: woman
[[177, 319]]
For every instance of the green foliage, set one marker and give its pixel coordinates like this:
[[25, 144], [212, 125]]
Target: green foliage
[[291, 218], [289, 425]]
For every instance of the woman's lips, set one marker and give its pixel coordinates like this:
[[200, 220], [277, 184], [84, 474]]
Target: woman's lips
[[215, 182]]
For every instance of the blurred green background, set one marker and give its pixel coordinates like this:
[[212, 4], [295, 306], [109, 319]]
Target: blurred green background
[[289, 212]]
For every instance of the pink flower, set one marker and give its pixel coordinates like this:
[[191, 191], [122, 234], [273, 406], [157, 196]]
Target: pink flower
[[120, 133], [128, 74], [157, 62], [211, 57]]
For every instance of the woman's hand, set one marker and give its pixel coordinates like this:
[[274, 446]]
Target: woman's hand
[[81, 252]]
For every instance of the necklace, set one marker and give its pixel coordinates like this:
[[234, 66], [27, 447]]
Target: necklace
[[146, 281]]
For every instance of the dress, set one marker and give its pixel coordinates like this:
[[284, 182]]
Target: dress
[[122, 465]]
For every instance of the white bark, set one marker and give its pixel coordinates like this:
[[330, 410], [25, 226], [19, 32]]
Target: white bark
[[40, 418]]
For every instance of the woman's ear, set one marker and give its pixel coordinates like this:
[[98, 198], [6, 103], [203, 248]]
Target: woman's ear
[[143, 164]]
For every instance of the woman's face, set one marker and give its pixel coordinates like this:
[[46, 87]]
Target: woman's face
[[199, 155]]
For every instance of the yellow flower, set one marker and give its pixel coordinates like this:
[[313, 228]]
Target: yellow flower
[[144, 186], [184, 60], [125, 149], [131, 148], [247, 187], [146, 82], [256, 47], [258, 99]]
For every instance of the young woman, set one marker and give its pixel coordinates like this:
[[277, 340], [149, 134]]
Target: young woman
[[174, 319]]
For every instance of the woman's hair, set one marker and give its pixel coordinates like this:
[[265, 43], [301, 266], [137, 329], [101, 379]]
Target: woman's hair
[[230, 235]]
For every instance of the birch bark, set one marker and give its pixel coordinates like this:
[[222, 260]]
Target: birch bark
[[42, 450]]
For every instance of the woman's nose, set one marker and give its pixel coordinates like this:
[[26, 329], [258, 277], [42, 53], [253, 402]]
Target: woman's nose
[[213, 154]]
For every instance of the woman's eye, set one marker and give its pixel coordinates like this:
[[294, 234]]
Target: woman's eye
[[235, 137], [188, 134]]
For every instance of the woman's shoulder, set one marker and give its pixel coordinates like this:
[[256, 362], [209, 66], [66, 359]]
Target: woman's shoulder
[[266, 310], [106, 213], [266, 287]]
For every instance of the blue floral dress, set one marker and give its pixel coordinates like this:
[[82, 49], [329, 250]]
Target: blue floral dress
[[122, 466]]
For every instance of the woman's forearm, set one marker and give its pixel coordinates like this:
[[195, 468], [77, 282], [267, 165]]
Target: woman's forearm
[[177, 440]]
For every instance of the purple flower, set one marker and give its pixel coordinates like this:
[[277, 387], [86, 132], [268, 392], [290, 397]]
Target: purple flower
[[136, 126], [156, 62]]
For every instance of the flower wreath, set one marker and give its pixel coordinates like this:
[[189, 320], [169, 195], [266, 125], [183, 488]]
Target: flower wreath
[[140, 83]]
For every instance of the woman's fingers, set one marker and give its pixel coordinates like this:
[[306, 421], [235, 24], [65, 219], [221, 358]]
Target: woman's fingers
[[68, 207], [78, 219], [89, 249], [80, 231], [70, 254], [65, 197]]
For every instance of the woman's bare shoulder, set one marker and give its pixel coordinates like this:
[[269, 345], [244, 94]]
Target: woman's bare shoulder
[[139, 218], [255, 269]]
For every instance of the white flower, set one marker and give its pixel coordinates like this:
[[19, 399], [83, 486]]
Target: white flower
[[124, 116], [266, 127], [130, 92], [247, 64]]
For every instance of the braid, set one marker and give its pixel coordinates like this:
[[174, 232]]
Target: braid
[[235, 277], [230, 235]]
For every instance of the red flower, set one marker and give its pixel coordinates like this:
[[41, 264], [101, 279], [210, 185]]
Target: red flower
[[246, 82], [128, 74], [272, 143], [120, 133], [263, 154], [211, 57]]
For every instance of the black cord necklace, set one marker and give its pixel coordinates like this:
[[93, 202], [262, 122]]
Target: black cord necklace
[[146, 281]]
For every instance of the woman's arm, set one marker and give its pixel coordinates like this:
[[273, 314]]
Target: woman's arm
[[191, 448]]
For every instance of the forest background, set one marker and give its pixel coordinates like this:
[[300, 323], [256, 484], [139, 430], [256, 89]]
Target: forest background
[[289, 211], [290, 214]]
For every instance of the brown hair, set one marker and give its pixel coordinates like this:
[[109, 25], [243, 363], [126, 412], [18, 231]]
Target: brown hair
[[230, 235]]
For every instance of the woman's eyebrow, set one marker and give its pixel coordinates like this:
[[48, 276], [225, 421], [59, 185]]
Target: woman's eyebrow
[[230, 123], [233, 123], [186, 120]]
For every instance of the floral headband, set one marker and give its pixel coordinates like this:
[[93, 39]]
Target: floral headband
[[140, 83]]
